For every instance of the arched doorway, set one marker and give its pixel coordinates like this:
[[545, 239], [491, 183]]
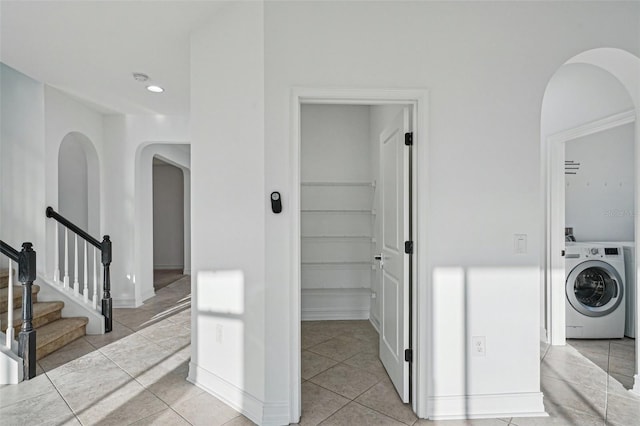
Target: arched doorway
[[177, 155], [618, 74], [168, 223], [78, 190]]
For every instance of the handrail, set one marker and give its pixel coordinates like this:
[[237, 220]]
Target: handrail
[[75, 229], [9, 251], [105, 247], [26, 260]]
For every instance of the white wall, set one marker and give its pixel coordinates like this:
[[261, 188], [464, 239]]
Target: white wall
[[68, 119], [22, 175], [335, 143], [168, 216], [486, 66], [229, 205], [600, 196]]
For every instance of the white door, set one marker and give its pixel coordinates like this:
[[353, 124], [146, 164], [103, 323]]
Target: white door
[[394, 217]]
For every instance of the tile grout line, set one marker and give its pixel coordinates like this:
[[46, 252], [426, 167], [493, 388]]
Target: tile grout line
[[63, 398], [379, 380]]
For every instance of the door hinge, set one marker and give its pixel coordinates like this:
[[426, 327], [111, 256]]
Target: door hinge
[[408, 247], [408, 355], [563, 253], [408, 138]]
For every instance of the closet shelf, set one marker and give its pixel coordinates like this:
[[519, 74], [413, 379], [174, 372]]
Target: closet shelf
[[332, 211], [339, 237], [365, 184], [337, 263]]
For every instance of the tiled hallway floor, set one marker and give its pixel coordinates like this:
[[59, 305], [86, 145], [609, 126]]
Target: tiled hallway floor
[[344, 383], [136, 376]]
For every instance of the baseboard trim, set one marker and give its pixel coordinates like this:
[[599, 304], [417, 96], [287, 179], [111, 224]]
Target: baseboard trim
[[335, 304], [241, 401], [276, 414], [148, 294], [322, 314], [375, 324], [636, 384], [487, 406]]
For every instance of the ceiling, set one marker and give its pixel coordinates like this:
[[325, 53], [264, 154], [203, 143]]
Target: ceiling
[[89, 49]]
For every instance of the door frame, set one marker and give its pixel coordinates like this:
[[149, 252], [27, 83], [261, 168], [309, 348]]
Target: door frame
[[554, 233], [421, 285]]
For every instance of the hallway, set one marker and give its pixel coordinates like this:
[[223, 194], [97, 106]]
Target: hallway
[[136, 376]]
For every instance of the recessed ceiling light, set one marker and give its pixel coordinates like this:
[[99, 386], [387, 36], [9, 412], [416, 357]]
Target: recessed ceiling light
[[138, 76], [155, 89]]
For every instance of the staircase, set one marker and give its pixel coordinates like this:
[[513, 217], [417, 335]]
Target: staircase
[[52, 330]]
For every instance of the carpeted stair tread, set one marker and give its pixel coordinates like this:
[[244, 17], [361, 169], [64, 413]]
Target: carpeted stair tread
[[56, 334], [17, 296], [4, 277], [43, 313]]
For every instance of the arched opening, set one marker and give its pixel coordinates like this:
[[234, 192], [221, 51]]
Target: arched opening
[[168, 223], [592, 96], [175, 155], [78, 189]]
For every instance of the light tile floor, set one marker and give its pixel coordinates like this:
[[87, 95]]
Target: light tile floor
[[344, 383], [136, 375]]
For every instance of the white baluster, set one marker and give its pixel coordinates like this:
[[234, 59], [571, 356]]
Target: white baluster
[[95, 278], [76, 289], [9, 330], [56, 273], [85, 290], [65, 282]]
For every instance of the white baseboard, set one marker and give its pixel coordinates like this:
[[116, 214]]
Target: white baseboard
[[335, 304], [237, 398], [636, 384], [375, 324], [276, 414], [486, 406], [147, 293]]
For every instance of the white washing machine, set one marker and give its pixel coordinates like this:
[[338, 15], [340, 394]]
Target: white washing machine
[[595, 290], [630, 284]]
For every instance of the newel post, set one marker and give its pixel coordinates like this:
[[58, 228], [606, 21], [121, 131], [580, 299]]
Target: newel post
[[27, 336], [106, 294]]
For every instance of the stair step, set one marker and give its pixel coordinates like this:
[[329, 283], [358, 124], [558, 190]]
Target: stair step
[[4, 277], [17, 296], [43, 313], [56, 334]]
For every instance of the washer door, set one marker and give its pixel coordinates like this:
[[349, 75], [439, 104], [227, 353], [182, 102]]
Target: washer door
[[594, 288]]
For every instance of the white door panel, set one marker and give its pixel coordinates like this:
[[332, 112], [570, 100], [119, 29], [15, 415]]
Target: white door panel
[[394, 187]]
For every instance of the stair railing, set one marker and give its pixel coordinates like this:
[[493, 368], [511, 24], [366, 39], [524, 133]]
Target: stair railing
[[104, 247], [26, 260]]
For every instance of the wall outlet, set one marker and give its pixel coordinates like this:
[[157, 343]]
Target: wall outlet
[[479, 346], [218, 333]]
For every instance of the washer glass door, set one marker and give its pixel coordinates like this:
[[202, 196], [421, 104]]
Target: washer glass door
[[594, 288]]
